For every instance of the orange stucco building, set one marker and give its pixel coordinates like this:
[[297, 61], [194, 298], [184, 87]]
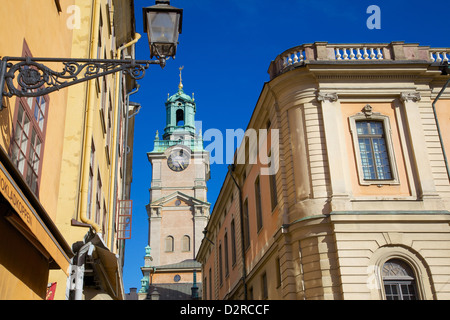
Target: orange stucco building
[[357, 204]]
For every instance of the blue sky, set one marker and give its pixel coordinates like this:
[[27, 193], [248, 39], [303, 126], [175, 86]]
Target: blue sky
[[226, 48]]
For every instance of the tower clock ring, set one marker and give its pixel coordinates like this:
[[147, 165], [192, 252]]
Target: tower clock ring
[[178, 159]]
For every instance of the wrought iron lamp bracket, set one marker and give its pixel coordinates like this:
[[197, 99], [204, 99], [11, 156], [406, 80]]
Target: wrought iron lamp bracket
[[34, 79]]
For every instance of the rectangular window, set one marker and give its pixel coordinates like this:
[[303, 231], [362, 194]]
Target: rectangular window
[[273, 190], [98, 199], [205, 287], [400, 290], [103, 107], [33, 161], [246, 225], [39, 112], [259, 222], [27, 141], [220, 265], [265, 292], [372, 146], [28, 134], [100, 34], [105, 221], [90, 182], [278, 271], [20, 140], [225, 240], [210, 284], [233, 243], [108, 129]]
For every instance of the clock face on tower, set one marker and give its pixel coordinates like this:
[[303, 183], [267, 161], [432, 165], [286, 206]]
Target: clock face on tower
[[178, 160]]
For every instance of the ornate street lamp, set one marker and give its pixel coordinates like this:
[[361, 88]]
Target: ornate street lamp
[[33, 78], [162, 23]]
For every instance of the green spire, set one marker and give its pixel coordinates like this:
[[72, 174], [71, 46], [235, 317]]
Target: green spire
[[180, 113]]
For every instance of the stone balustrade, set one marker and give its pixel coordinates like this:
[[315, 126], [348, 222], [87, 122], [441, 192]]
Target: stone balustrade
[[439, 55], [360, 52]]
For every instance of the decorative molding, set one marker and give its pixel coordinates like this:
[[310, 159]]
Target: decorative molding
[[367, 110], [330, 97], [410, 96], [366, 76]]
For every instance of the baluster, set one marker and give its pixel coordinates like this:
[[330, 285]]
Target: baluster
[[379, 54], [301, 55], [289, 60], [365, 55], [338, 54], [358, 55], [345, 54], [445, 56], [438, 57], [352, 55], [285, 64], [432, 56], [295, 57], [372, 54]]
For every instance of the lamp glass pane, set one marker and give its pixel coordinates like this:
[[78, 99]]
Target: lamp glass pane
[[163, 27]]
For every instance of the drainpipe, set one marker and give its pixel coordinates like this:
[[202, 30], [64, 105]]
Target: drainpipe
[[231, 168], [89, 127], [444, 72]]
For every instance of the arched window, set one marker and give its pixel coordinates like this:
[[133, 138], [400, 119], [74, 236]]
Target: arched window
[[180, 117], [399, 281], [169, 244], [186, 243]]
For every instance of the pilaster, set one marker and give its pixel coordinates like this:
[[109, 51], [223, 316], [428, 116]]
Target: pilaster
[[335, 147], [421, 159]]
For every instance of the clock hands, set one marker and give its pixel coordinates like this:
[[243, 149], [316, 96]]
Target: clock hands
[[181, 164], [178, 160]]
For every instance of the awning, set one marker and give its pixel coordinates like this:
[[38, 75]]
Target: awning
[[32, 215], [100, 268], [107, 269]]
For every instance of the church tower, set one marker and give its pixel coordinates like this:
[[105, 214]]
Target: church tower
[[178, 210]]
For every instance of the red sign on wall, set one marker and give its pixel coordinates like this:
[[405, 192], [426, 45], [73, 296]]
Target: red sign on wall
[[125, 209], [51, 288]]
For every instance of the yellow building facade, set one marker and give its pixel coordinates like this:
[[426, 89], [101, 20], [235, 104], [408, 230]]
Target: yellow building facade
[[74, 142], [350, 199], [32, 238]]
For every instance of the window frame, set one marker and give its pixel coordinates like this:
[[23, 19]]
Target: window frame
[[273, 188], [258, 204], [89, 201], [372, 116], [233, 243], [264, 286], [408, 279], [186, 243], [220, 264], [226, 258], [172, 244], [29, 106], [246, 224], [98, 199]]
